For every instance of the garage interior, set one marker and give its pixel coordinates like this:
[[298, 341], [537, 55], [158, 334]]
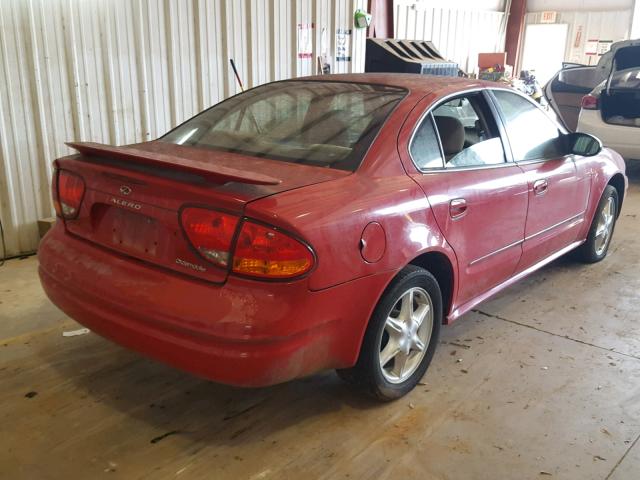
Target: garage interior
[[541, 381]]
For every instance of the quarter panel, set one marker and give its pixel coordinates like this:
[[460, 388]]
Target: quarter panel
[[332, 218]]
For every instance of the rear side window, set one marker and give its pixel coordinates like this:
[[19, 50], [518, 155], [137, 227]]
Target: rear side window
[[468, 133], [626, 79], [582, 79], [424, 148], [325, 124], [531, 133]]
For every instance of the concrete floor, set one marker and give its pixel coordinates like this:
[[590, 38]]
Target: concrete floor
[[541, 382]]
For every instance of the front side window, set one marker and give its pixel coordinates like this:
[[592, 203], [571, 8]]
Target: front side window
[[468, 132], [326, 124], [531, 133]]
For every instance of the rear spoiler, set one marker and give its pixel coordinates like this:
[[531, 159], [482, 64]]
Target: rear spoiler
[[210, 171]]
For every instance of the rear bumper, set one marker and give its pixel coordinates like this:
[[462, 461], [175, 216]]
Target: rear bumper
[[623, 139], [244, 333]]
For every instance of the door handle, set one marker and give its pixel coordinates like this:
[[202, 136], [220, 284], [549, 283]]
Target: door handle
[[458, 208], [540, 187]]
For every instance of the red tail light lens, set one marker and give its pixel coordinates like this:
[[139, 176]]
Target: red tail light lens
[[266, 252], [260, 251], [210, 233], [68, 195], [590, 102]]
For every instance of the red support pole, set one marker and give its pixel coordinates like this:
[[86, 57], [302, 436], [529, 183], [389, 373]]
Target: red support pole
[[515, 32], [381, 19]]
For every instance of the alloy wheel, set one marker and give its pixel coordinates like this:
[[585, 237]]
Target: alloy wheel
[[406, 335], [605, 226]]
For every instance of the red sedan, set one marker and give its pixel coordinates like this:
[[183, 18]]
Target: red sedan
[[323, 222]]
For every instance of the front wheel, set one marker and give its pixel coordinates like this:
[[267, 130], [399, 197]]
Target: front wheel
[[596, 246], [401, 337]]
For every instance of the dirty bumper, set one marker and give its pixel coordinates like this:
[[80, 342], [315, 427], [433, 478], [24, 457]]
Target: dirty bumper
[[244, 333]]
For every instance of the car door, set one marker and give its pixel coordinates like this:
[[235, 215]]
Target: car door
[[557, 190], [478, 198]]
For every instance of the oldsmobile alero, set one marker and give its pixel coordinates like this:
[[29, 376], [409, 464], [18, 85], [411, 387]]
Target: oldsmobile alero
[[323, 222]]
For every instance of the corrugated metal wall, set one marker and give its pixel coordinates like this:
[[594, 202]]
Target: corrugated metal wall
[[125, 71], [458, 33], [583, 26]]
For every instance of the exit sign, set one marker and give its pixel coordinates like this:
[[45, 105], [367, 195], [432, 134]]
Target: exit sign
[[548, 17]]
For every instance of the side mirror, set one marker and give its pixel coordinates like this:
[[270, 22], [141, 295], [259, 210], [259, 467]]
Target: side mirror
[[583, 144]]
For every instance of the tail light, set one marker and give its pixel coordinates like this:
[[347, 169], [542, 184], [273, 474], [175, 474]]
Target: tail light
[[260, 251], [210, 233], [67, 194], [265, 252], [589, 102]]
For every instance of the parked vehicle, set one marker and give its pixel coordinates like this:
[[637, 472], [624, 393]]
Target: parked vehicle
[[603, 100], [325, 222]]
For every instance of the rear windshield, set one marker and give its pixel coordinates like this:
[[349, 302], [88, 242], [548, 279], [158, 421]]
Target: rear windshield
[[627, 57], [326, 124]]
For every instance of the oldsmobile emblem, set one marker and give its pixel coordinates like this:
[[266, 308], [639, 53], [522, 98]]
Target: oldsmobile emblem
[[125, 190]]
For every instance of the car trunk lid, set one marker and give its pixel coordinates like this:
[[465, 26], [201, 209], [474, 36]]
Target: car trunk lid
[[134, 194]]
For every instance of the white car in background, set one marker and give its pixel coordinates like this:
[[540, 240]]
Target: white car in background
[[603, 100]]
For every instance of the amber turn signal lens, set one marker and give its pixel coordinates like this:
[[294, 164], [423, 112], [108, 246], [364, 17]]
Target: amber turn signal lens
[[266, 252]]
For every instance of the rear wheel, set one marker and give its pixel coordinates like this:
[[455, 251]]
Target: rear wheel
[[596, 246], [401, 337]]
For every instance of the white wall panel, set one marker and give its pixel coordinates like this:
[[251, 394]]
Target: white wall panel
[[126, 71], [492, 5], [583, 26], [458, 33], [577, 5], [635, 22]]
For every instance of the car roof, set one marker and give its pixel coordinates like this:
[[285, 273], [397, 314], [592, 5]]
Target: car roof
[[414, 82]]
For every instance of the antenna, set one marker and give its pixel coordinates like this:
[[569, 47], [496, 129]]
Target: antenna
[[253, 117], [235, 71]]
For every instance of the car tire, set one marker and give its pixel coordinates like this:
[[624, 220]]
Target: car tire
[[596, 246], [407, 321]]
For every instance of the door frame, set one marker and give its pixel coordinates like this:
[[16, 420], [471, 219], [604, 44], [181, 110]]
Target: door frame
[[573, 220], [563, 130], [405, 137], [488, 97]]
